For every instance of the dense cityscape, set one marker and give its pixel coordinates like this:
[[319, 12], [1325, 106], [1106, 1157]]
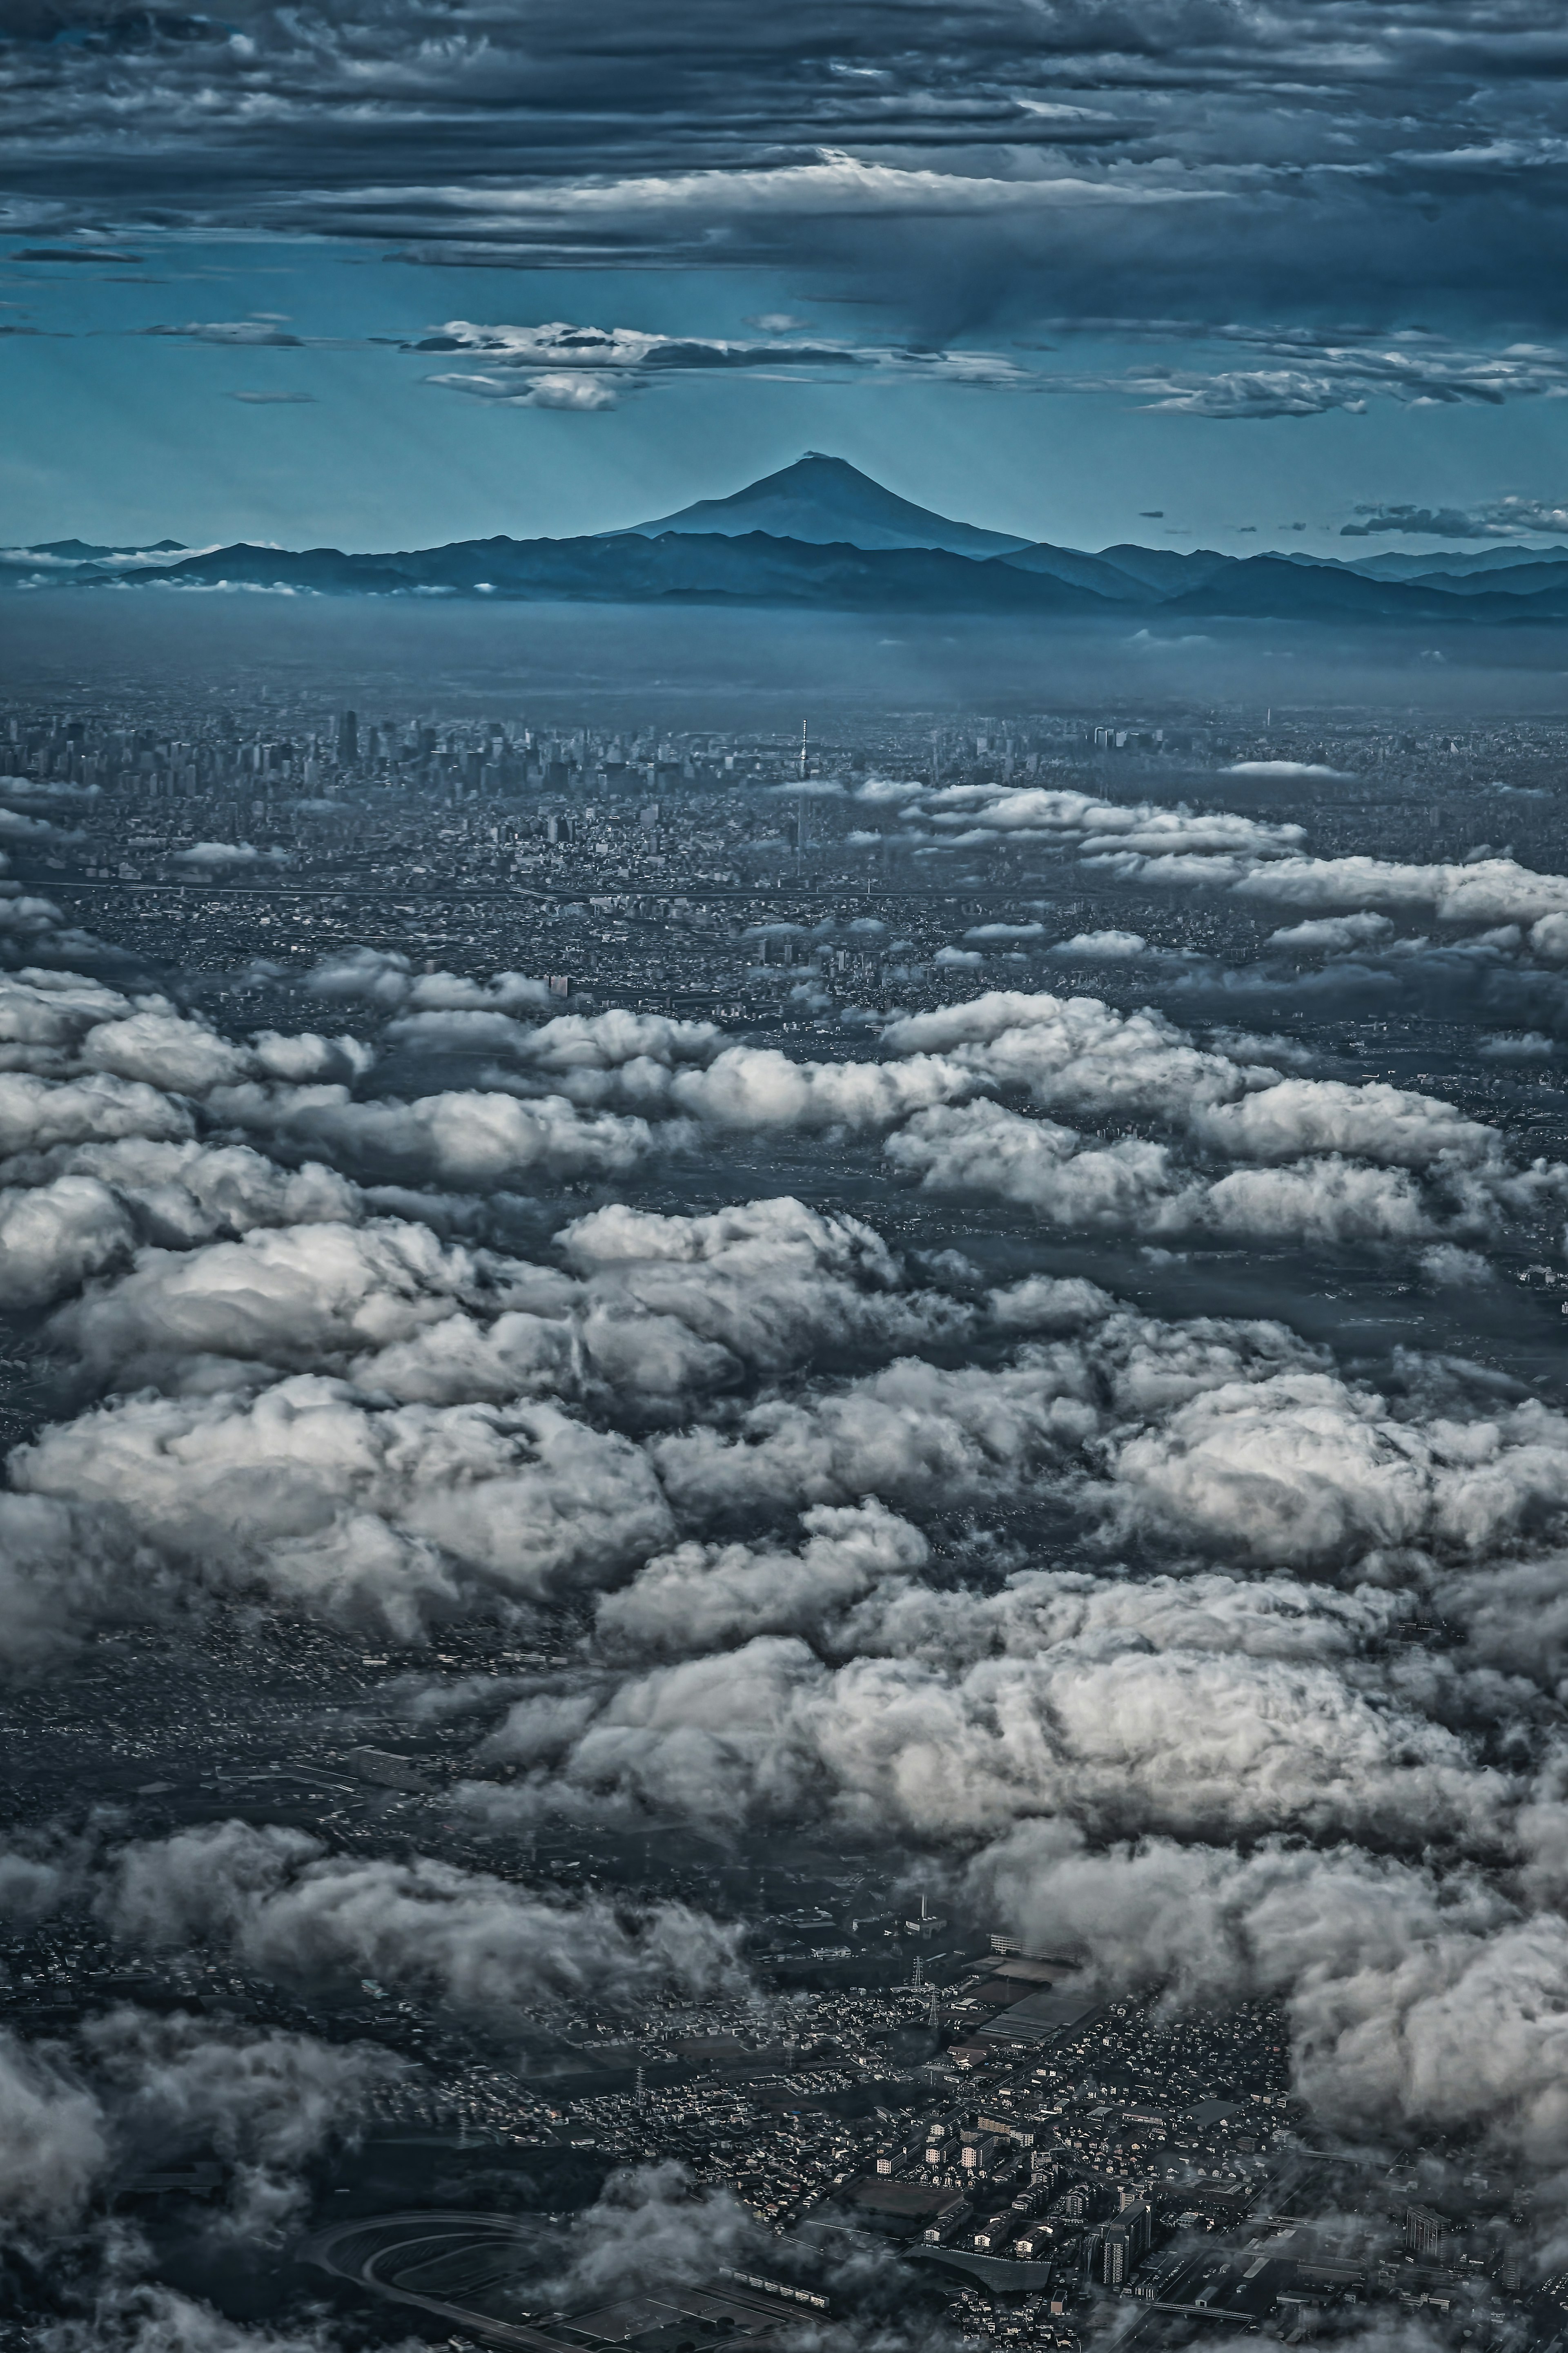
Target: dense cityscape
[[787, 880], [880, 2097]]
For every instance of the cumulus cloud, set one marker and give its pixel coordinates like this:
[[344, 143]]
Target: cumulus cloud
[[77, 1210], [266, 2101], [1518, 1046], [1079, 819], [346, 1413], [1328, 934], [701, 1596], [1251, 857], [280, 1900], [1134, 1184], [53, 2139], [1297, 373], [1505, 519], [132, 2315], [1081, 1056], [1104, 1610], [385, 976], [984, 1148], [227, 853], [1487, 890], [649, 2225], [36, 1116], [579, 393], [1108, 1717], [142, 2087], [582, 367], [328, 1502], [460, 1136], [1303, 1467], [1424, 2003], [1290, 771], [1114, 946]]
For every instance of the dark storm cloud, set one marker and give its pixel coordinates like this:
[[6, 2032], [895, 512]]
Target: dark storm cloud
[[139, 2084], [259, 332], [71, 253], [1514, 517], [1297, 373], [279, 1900], [999, 159], [1283, 373], [562, 366]]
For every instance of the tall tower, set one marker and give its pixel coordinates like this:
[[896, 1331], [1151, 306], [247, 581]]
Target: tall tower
[[805, 759]]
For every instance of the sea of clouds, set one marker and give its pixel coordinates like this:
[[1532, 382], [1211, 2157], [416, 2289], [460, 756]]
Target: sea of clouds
[[1101, 1616]]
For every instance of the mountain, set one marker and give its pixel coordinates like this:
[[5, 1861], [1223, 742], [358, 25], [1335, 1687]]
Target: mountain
[[1453, 563], [1448, 564], [1511, 580], [756, 569], [78, 551], [1272, 587], [1081, 571], [1167, 570], [825, 501], [822, 534]]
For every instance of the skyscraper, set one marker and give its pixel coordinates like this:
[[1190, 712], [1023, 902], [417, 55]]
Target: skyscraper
[[1126, 2243]]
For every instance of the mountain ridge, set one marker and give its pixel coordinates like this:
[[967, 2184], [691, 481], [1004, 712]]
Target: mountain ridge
[[907, 567], [760, 570]]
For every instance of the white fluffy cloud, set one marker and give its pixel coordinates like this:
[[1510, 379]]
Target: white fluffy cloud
[[1112, 1717], [53, 2141], [1103, 1608], [1328, 934], [1081, 820], [1136, 1185], [1335, 1145], [458, 1137], [1485, 890], [1302, 1467], [283, 1904], [383, 976], [326, 1502], [1115, 947], [1419, 2001]]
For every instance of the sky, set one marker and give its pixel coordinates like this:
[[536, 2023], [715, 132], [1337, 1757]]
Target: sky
[[1184, 271]]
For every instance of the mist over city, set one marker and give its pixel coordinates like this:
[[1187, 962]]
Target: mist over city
[[783, 1177]]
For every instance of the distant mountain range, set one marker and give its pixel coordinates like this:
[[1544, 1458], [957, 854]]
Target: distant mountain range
[[822, 534]]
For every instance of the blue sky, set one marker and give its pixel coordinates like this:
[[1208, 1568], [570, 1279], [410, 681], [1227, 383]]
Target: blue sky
[[1184, 277], [118, 434]]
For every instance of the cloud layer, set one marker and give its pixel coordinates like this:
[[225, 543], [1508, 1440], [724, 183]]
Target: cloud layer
[[1239, 1661], [1159, 164]]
